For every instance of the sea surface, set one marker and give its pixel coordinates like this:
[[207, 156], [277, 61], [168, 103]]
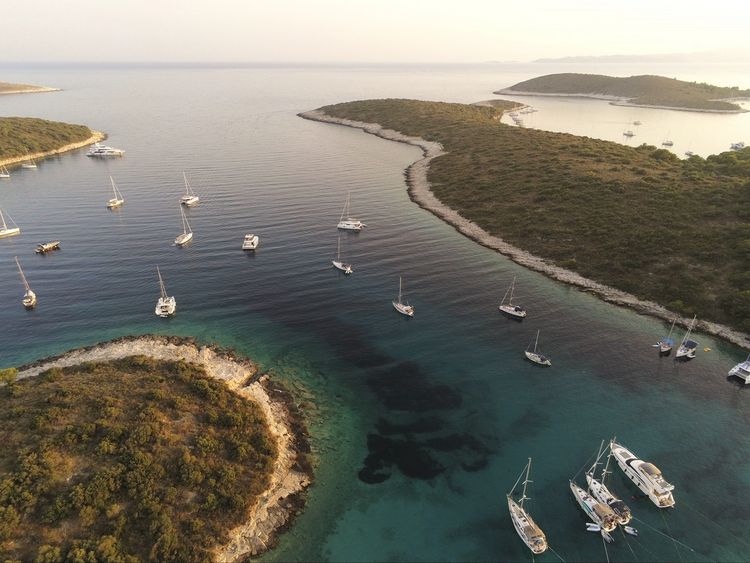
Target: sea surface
[[420, 426]]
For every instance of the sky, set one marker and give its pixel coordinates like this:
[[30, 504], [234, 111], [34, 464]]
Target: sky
[[378, 31]]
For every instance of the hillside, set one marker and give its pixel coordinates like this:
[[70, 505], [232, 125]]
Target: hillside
[[638, 219], [640, 90], [10, 88], [20, 136], [127, 460]]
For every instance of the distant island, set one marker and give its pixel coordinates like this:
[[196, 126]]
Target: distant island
[[147, 448], [645, 91], [10, 88], [637, 226]]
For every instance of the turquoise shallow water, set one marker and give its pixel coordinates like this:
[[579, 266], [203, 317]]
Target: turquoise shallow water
[[443, 403]]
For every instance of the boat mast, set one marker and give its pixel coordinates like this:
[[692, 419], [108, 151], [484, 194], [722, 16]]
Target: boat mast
[[161, 284], [537, 340], [606, 466], [188, 190], [185, 224], [23, 278], [690, 329], [399, 290], [671, 328], [338, 249], [114, 187], [2, 218], [526, 481], [346, 206], [512, 287]]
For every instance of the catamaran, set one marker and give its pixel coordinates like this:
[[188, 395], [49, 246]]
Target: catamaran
[[665, 344], [187, 233], [250, 242], [4, 172], [29, 298], [600, 514], [166, 305], [687, 346], [399, 305], [338, 264], [742, 370], [190, 198], [513, 311], [349, 223], [117, 200], [535, 356], [5, 230], [531, 534], [645, 475], [600, 492]]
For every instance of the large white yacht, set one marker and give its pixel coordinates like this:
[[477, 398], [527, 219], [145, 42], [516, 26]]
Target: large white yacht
[[102, 151], [599, 513], [349, 223], [166, 305], [531, 534], [742, 370], [645, 475]]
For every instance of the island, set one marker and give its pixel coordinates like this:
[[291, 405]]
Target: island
[[10, 88], [636, 226], [147, 448], [642, 91]]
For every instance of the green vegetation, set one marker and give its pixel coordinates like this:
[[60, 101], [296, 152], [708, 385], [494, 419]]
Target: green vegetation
[[134, 459], [644, 90], [22, 135], [638, 219]]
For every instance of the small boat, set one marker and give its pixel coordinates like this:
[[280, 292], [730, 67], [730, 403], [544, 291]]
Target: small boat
[[399, 305], [103, 151], [187, 232], [338, 264], [117, 200], [600, 514], [166, 305], [645, 475], [29, 298], [513, 311], [349, 223], [4, 172], [629, 133], [636, 122], [737, 146], [600, 492], [5, 230], [535, 356], [30, 164], [250, 242], [667, 143], [43, 247], [687, 347], [190, 198], [665, 344], [742, 370], [531, 534], [689, 154]]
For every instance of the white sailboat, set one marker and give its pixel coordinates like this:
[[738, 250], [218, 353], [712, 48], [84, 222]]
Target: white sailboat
[[399, 305], [600, 492], [4, 172], [5, 230], [29, 298], [667, 142], [687, 346], [338, 263], [665, 344], [742, 370], [600, 514], [349, 223], [535, 356], [513, 311], [645, 475], [31, 163], [117, 200], [187, 232], [531, 534], [166, 305], [190, 198]]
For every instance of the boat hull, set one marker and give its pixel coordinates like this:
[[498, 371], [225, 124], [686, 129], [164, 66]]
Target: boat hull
[[350, 225], [183, 239], [537, 359], [599, 513], [10, 232], [165, 307], [630, 465], [346, 268], [190, 201], [406, 310], [251, 243], [512, 313], [526, 528]]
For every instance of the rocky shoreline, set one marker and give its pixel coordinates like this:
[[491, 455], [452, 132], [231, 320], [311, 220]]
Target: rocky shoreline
[[96, 136], [277, 507], [421, 194]]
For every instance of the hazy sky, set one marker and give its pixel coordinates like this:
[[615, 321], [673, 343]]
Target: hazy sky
[[363, 30]]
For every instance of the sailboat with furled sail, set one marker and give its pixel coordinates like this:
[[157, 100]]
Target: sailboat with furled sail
[[117, 200], [687, 348], [399, 305], [509, 309], [29, 298], [166, 305], [338, 263], [5, 230], [190, 198], [531, 534], [346, 222], [187, 232], [665, 344], [600, 492]]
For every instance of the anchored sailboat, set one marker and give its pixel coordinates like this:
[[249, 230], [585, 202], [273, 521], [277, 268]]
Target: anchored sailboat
[[513, 311], [400, 306], [531, 534], [190, 198], [187, 233], [5, 230], [117, 200], [535, 356], [30, 163], [645, 475], [600, 492], [338, 264], [742, 370], [4, 172], [349, 223], [665, 344], [29, 298], [600, 514], [166, 305], [687, 346]]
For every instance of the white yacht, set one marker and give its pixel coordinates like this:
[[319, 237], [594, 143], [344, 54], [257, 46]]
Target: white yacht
[[531, 534], [513, 311], [737, 146], [103, 151], [400, 306], [250, 242], [742, 370], [645, 475], [166, 305], [29, 297], [349, 223], [187, 232], [338, 263], [687, 348], [117, 200], [5, 230], [535, 356], [600, 492], [4, 172], [190, 198], [599, 513]]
